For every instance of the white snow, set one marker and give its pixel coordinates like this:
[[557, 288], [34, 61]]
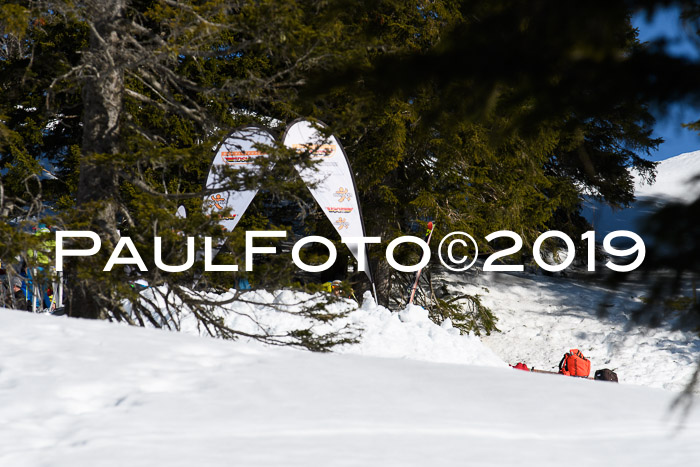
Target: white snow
[[411, 334], [84, 393]]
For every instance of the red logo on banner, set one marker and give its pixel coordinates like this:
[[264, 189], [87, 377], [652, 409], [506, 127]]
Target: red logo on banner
[[334, 210], [239, 157]]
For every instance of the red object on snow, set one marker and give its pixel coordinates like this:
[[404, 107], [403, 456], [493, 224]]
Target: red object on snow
[[575, 364], [520, 366]]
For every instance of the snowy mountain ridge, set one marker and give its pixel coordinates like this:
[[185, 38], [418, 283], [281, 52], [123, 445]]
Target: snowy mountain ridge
[[676, 180]]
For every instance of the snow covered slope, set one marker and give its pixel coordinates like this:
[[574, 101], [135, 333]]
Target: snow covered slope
[[85, 393], [543, 317], [676, 180]]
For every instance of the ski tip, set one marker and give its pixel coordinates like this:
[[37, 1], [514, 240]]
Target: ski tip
[[430, 225]]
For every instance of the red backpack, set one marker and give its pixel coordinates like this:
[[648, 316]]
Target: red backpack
[[575, 364]]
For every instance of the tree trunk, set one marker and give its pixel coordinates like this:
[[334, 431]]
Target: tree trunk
[[102, 93]]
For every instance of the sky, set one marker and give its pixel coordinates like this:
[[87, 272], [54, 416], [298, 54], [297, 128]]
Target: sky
[[666, 24]]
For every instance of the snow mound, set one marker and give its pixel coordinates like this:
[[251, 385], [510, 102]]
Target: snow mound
[[411, 334], [408, 333]]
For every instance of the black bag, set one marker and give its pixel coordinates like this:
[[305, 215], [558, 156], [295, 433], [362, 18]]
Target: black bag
[[605, 375]]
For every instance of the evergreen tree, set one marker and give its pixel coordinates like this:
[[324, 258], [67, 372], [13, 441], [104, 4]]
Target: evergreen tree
[[509, 116], [141, 92], [480, 115]]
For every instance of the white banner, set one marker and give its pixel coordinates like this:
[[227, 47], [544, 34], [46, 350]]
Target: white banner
[[238, 151], [330, 181]]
